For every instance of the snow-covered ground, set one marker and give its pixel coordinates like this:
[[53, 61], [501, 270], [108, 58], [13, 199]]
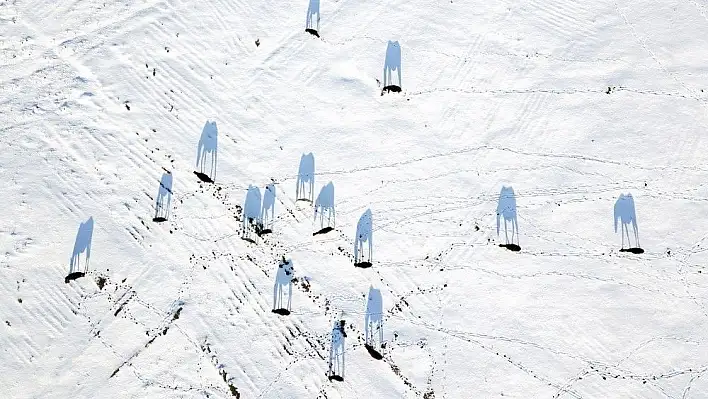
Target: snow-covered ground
[[570, 103]]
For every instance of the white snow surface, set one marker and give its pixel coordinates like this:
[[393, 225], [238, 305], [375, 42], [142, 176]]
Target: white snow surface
[[571, 103]]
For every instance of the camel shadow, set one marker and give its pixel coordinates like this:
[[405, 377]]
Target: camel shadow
[[625, 212], [391, 63], [285, 276], [364, 230], [82, 243], [207, 146], [306, 174], [506, 209], [268, 209], [373, 323], [164, 198], [335, 370], [325, 204], [312, 25], [251, 224]]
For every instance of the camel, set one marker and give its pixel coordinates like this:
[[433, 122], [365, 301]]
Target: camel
[[626, 213], [251, 211], [363, 234], [208, 145], [325, 202], [268, 208], [507, 209], [306, 174], [162, 210], [392, 62], [373, 321], [285, 275], [336, 352], [82, 244], [310, 25]]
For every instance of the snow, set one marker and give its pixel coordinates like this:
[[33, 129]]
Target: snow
[[570, 103]]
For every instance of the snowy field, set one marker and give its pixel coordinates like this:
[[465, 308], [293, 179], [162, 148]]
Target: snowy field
[[570, 103]]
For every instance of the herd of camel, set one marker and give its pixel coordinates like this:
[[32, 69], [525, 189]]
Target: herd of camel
[[259, 212]]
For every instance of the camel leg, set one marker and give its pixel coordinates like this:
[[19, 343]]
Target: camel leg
[[380, 327], [88, 256], [290, 295], [371, 249], [214, 167], [506, 232], [275, 296], [629, 242]]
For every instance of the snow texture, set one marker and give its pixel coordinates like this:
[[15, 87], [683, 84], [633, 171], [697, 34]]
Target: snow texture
[[571, 103]]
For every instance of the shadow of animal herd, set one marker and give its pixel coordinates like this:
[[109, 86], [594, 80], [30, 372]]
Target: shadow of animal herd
[[259, 216], [392, 62]]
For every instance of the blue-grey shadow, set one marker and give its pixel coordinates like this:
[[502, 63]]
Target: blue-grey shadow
[[164, 198], [373, 323], [268, 209], [305, 188], [82, 244], [325, 205], [251, 223], [626, 213], [335, 371], [392, 63], [506, 209], [208, 145], [364, 234], [284, 276], [312, 24]]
